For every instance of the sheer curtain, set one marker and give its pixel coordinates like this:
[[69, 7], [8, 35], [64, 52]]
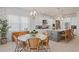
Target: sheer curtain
[[24, 23], [16, 23], [13, 22]]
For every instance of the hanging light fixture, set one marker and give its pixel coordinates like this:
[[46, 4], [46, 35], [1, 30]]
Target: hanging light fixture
[[33, 13], [59, 14]]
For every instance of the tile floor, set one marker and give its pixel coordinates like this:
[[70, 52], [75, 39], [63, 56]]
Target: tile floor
[[72, 46]]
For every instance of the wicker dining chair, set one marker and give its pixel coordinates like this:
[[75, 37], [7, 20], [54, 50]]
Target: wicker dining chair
[[45, 42], [19, 45], [72, 33], [65, 34], [34, 44]]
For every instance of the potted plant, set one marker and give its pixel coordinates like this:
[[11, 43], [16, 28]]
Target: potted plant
[[3, 30]]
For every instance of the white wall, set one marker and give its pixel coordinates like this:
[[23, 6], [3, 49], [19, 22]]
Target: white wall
[[77, 22], [38, 20], [72, 21], [66, 20]]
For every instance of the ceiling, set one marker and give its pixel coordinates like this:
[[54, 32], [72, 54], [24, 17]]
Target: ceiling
[[53, 11]]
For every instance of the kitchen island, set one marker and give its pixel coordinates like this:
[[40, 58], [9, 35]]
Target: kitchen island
[[56, 34]]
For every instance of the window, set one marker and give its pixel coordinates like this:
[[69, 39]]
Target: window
[[17, 23]]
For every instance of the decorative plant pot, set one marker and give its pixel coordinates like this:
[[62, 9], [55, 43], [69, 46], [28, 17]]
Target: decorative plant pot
[[3, 40], [0, 38], [0, 41]]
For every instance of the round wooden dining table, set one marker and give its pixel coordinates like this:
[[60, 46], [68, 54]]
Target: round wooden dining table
[[29, 36], [24, 38]]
